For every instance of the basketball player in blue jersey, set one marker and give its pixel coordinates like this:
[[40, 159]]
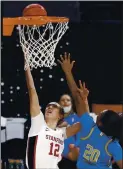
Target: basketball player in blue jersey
[[70, 118], [98, 142]]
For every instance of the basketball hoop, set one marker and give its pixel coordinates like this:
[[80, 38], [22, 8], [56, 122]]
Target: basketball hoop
[[39, 36]]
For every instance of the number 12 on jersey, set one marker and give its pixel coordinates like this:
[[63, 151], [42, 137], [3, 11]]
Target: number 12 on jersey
[[54, 149]]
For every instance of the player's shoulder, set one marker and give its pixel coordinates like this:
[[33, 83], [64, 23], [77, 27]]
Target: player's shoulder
[[94, 116], [86, 117], [73, 116], [114, 146]]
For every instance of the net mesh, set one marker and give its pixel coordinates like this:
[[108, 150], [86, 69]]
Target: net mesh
[[39, 42]]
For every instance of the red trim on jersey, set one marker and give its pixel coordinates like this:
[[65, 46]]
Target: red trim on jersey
[[34, 157]]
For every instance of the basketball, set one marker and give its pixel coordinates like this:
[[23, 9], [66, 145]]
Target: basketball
[[34, 10]]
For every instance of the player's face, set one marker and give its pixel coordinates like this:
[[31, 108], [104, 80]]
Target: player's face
[[65, 101], [52, 112]]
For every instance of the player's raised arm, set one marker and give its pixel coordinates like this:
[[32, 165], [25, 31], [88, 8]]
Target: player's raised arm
[[33, 97], [67, 66]]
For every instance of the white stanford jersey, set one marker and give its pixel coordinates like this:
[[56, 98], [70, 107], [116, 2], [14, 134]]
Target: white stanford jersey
[[45, 145]]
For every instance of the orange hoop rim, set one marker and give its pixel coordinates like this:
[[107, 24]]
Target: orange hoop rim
[[34, 20], [9, 23]]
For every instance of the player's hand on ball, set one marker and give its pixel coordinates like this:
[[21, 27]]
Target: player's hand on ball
[[83, 91], [65, 63]]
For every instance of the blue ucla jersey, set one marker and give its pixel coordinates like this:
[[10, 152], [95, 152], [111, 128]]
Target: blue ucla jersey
[[96, 149], [71, 119]]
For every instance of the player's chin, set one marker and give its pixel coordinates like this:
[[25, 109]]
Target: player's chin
[[47, 115]]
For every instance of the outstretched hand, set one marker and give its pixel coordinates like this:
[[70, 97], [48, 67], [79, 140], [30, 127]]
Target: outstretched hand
[[83, 91], [65, 63]]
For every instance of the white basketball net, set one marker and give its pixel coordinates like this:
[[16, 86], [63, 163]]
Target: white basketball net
[[39, 42]]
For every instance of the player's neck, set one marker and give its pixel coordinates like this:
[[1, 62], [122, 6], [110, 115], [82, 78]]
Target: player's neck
[[67, 114], [51, 124]]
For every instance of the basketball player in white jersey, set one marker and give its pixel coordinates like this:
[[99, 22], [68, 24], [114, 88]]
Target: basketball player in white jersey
[[45, 140]]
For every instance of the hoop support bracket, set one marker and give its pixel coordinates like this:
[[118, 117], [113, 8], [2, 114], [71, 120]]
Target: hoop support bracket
[[7, 30]]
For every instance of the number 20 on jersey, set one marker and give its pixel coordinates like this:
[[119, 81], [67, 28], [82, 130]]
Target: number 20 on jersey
[[91, 154]]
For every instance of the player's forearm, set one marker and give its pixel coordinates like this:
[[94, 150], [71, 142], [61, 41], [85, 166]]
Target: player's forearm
[[80, 106], [72, 130], [71, 83], [86, 105], [84, 102], [34, 102], [29, 79]]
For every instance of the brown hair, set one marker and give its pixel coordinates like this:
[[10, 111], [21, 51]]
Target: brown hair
[[72, 103]]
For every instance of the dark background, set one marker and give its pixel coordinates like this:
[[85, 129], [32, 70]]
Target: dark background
[[95, 43]]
